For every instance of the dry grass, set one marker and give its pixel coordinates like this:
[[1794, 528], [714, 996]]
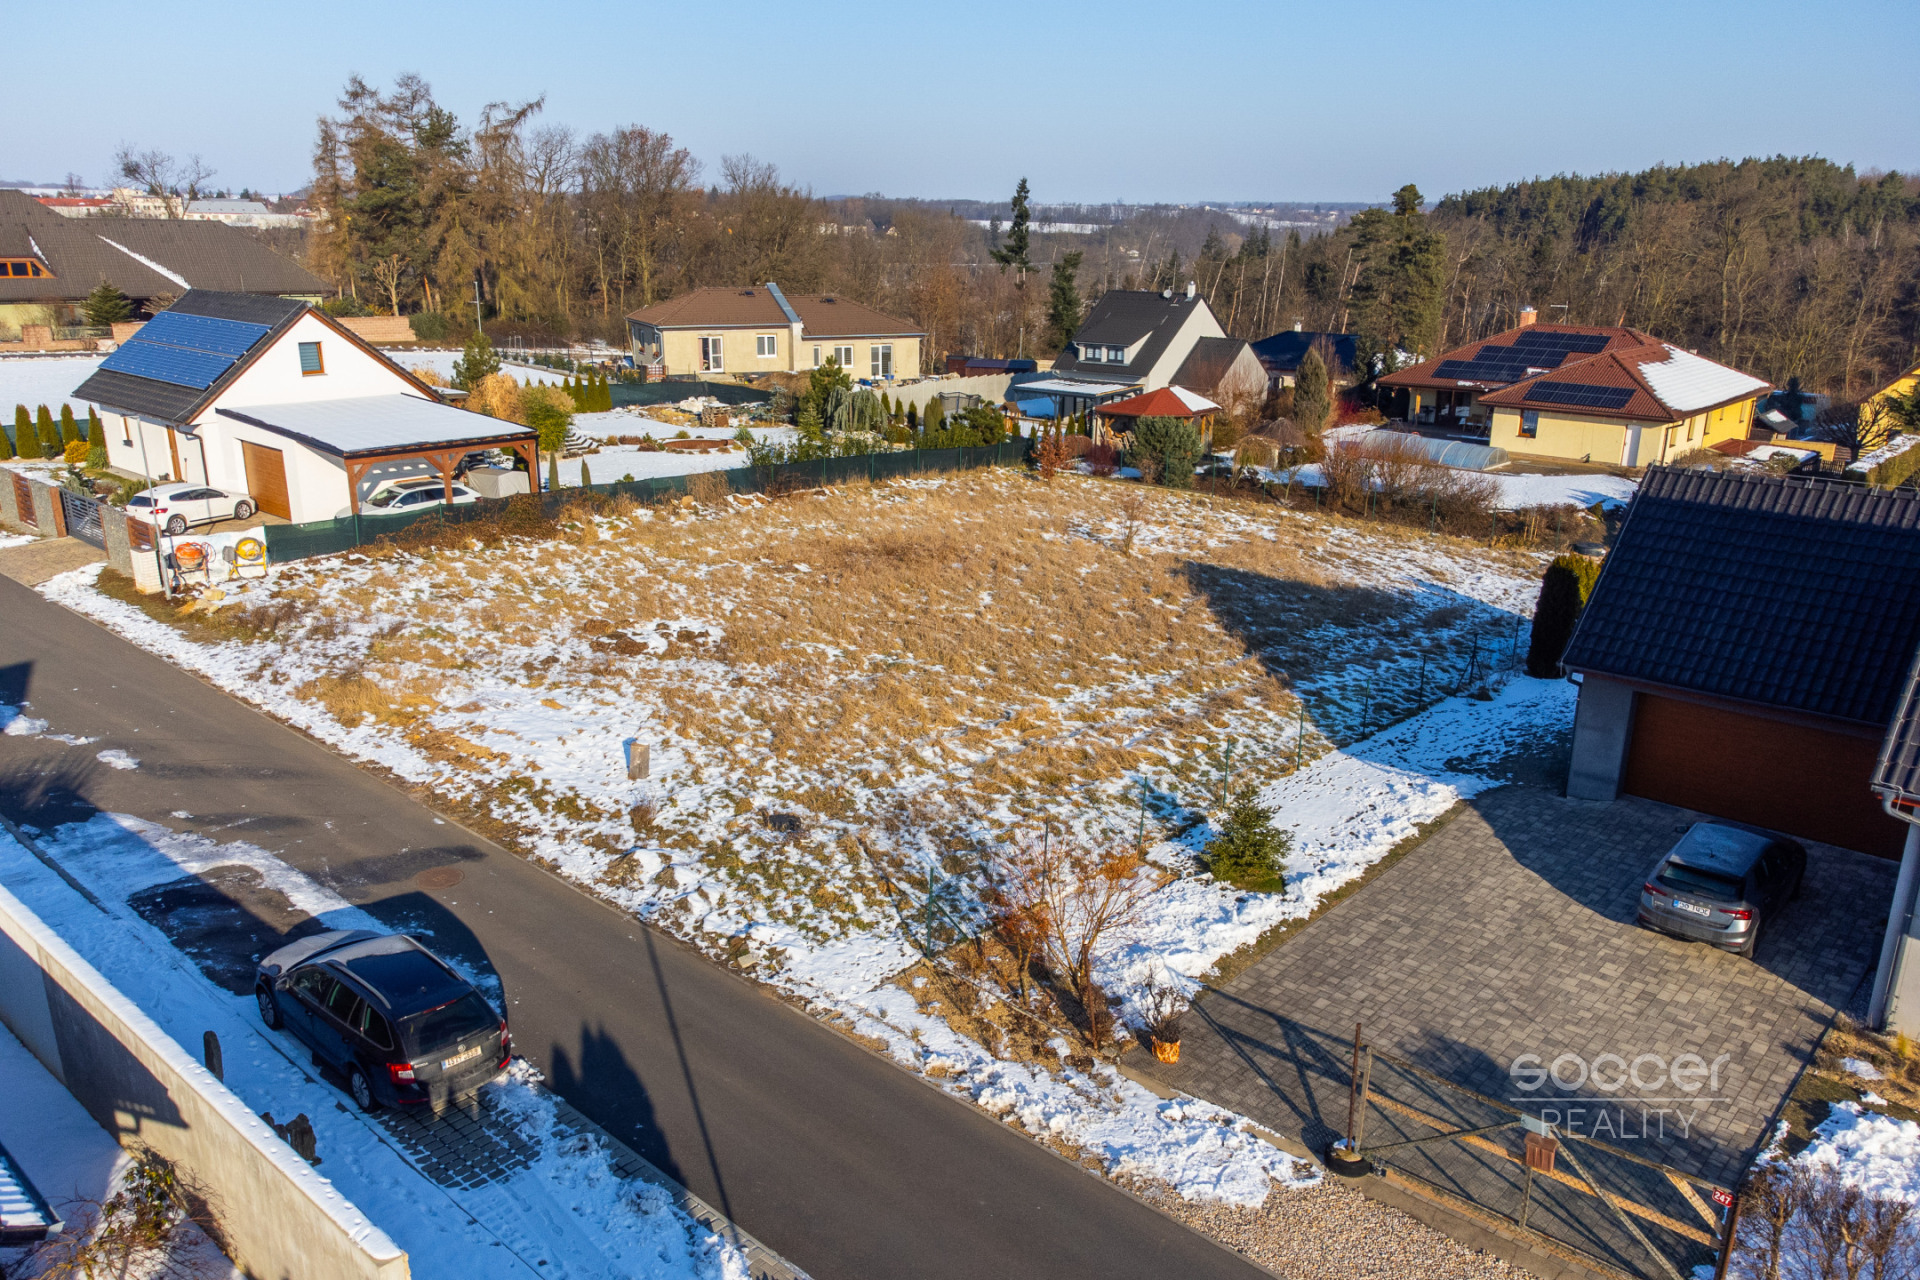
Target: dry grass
[[840, 685]]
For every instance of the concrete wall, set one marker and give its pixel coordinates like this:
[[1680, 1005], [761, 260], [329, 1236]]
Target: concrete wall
[[279, 1218], [379, 328], [1602, 731]]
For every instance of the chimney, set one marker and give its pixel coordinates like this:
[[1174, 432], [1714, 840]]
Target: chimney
[[1190, 291], [1527, 316], [1166, 293], [1297, 323]]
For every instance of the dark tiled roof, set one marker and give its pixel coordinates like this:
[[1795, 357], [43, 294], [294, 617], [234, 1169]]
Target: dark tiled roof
[[1795, 594], [82, 252], [1896, 776], [1283, 352], [1426, 373], [128, 393], [1123, 317]]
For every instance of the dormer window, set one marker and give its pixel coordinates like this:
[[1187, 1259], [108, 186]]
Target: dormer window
[[27, 267]]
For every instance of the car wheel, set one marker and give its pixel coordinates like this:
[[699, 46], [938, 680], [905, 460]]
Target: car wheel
[[361, 1089], [176, 525], [269, 1007], [1753, 940], [243, 510]]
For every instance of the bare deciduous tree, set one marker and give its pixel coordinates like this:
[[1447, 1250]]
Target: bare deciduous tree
[[175, 183]]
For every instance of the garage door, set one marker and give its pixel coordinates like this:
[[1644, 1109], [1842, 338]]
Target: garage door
[[1806, 782], [267, 478]]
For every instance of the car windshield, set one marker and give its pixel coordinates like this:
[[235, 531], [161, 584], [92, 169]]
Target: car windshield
[[437, 1028], [1709, 884], [387, 497]]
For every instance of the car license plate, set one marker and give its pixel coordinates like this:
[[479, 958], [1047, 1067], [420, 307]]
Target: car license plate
[[1692, 908], [448, 1064]]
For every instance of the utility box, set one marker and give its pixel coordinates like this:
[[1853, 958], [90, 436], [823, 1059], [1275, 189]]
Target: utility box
[[497, 482]]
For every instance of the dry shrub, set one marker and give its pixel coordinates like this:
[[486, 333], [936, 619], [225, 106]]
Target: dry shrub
[[1066, 897], [428, 374], [1256, 451], [348, 698], [1053, 454], [1102, 458], [1802, 1222], [499, 396], [1391, 477], [707, 487]]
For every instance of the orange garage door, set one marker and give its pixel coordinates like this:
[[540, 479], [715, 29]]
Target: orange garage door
[[267, 478], [1803, 781]]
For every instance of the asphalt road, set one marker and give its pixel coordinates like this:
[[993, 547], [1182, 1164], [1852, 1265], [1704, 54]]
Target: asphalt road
[[837, 1159]]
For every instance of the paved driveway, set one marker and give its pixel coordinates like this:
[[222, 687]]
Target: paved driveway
[[1510, 932]]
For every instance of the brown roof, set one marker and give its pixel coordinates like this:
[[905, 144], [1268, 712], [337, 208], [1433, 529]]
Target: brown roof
[[1209, 362], [82, 252], [823, 315], [1424, 375], [1620, 368]]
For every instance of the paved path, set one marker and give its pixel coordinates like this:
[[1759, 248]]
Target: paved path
[[1509, 932], [34, 562], [842, 1162]]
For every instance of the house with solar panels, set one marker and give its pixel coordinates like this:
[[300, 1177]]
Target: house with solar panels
[[274, 398], [1581, 393]]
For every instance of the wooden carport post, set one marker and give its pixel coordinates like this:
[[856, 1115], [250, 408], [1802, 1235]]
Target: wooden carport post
[[530, 450]]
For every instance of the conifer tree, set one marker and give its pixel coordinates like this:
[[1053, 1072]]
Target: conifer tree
[[586, 475], [913, 418], [6, 445], [1312, 396], [936, 415], [50, 445], [69, 429], [96, 442], [553, 472], [1249, 853], [26, 441]]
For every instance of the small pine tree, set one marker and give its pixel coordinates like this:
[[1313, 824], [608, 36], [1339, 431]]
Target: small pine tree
[[913, 418], [1173, 445], [96, 442], [105, 306], [606, 395], [935, 417], [25, 443], [1249, 853], [553, 472], [476, 363], [586, 475], [6, 445], [810, 425], [1564, 589], [50, 445], [69, 429], [1312, 395]]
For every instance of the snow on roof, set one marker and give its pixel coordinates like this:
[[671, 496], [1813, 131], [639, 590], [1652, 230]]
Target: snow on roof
[[1686, 382], [1064, 387], [1194, 400], [367, 424], [1891, 449]]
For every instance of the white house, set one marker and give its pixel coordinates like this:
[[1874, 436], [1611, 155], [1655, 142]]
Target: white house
[[270, 396], [1133, 341]]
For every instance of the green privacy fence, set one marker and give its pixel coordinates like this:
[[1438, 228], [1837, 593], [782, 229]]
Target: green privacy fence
[[329, 537]]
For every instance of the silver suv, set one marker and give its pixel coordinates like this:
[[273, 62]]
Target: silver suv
[[1721, 883]]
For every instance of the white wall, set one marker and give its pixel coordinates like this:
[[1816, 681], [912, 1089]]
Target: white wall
[[1200, 323], [275, 377]]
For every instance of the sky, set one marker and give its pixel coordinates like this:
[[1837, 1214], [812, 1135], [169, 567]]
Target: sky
[[1201, 101]]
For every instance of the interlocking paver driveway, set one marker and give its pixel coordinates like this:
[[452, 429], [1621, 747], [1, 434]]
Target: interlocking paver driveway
[[1510, 931]]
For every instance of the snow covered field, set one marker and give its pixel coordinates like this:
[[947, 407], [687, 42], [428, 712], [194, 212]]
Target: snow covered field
[[48, 380], [565, 1214], [847, 692], [1517, 490]]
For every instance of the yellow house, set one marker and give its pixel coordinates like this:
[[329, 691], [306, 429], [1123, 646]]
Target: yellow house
[[1903, 386], [1633, 406], [761, 330]]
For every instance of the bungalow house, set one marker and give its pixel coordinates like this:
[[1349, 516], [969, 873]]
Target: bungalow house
[[1581, 393], [275, 398], [1132, 341], [50, 263], [761, 330], [1744, 648], [1281, 354]]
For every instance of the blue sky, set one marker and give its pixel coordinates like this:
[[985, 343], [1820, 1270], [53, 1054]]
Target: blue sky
[[1202, 100]]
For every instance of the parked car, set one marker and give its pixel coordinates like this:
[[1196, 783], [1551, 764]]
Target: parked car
[[389, 1015], [173, 507], [1721, 883], [414, 494]]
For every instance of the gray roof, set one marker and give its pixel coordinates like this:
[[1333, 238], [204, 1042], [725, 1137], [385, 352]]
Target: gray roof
[[83, 252], [1795, 594], [1208, 363], [1122, 318], [1896, 775], [168, 402], [374, 424]]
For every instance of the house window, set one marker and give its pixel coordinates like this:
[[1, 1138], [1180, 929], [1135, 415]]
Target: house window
[[816, 357], [843, 356], [881, 359], [711, 361], [310, 362], [764, 346], [1529, 423], [1116, 355], [29, 267]]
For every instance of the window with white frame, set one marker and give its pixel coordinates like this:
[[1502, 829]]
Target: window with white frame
[[843, 356], [880, 357], [766, 346], [711, 359], [1116, 355]]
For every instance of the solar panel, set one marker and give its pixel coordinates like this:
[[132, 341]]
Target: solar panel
[[1573, 393], [187, 351]]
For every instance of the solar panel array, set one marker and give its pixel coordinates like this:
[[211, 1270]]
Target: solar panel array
[[1531, 353], [187, 351], [1573, 393]]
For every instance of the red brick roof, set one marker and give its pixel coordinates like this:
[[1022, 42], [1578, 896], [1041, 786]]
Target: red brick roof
[[1622, 367], [1162, 403]]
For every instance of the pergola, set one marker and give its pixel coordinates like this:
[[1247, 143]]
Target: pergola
[[1164, 402], [365, 431]]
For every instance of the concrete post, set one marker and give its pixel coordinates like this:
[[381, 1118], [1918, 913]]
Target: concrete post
[[1895, 1005], [1602, 730]]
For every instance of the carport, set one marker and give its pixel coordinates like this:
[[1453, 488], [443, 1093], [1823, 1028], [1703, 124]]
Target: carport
[[362, 432]]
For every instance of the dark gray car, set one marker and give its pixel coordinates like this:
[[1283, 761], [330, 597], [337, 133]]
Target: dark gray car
[[1721, 883], [386, 1013]]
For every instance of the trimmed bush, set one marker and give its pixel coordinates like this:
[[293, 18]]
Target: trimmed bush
[[428, 326], [1564, 589], [96, 442], [69, 429]]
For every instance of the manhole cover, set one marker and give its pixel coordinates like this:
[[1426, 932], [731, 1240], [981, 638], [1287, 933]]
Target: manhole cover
[[440, 877]]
